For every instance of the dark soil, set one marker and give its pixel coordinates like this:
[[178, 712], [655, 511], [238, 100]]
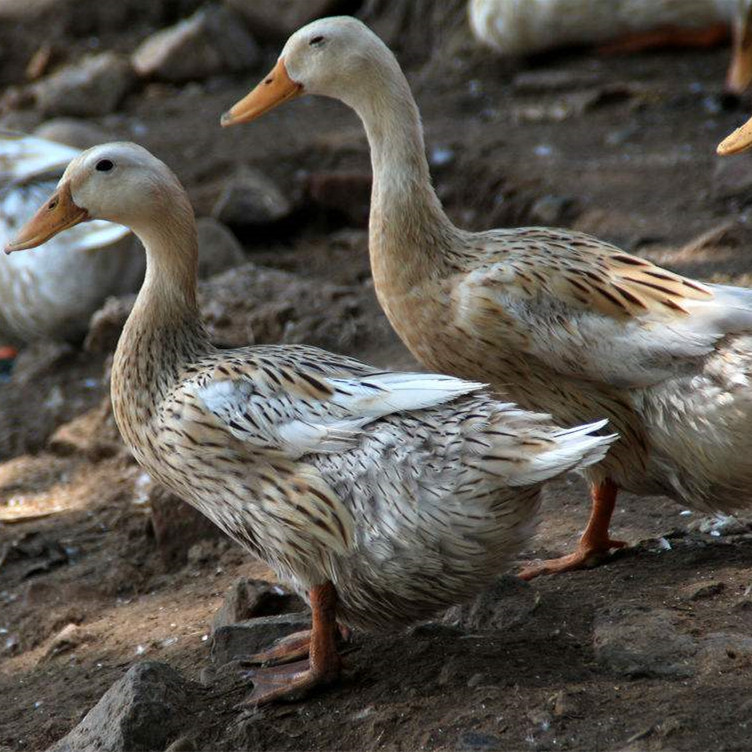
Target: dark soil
[[632, 157]]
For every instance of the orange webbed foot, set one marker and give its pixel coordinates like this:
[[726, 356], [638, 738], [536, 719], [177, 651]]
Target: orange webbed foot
[[584, 557]]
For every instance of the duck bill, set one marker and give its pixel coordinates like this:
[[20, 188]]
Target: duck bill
[[740, 140], [739, 75], [58, 213], [275, 88]]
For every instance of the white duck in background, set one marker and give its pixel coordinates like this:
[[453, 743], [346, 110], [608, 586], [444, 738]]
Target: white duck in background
[[525, 27], [51, 293]]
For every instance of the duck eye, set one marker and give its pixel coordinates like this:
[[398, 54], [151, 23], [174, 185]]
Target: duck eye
[[316, 41], [104, 165]]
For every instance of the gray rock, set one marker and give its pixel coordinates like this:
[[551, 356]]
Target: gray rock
[[248, 599], [276, 21], [218, 248], [507, 603], [551, 210], [72, 132], [732, 178], [637, 641], [213, 40], [140, 712], [251, 198], [236, 641], [94, 86]]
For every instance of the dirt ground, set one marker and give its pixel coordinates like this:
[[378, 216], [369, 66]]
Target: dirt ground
[[624, 147]]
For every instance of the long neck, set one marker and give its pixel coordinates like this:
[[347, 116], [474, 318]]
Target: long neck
[[410, 234], [164, 330]]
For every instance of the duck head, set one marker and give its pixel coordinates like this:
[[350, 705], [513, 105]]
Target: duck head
[[119, 182], [333, 57]]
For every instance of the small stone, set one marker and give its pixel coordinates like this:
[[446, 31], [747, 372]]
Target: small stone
[[238, 641], [248, 599], [94, 86], [568, 704], [71, 132], [475, 680], [636, 641], [505, 604], [213, 40], [218, 248], [107, 323], [732, 178], [140, 712], [183, 744], [552, 210], [69, 637], [704, 590], [251, 198]]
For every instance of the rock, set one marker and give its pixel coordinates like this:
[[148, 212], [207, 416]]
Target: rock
[[93, 435], [94, 86], [248, 599], [732, 178], [505, 604], [552, 210], [69, 637], [107, 323], [218, 248], [276, 21], [237, 641], [251, 198], [72, 132], [140, 712], [569, 704], [213, 40], [177, 526], [703, 590], [725, 651], [636, 641], [345, 193]]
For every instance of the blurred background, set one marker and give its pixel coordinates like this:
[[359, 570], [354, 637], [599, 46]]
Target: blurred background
[[611, 131]]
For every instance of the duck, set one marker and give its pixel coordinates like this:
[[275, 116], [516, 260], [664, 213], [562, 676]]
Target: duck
[[382, 497], [52, 296], [556, 320], [515, 28]]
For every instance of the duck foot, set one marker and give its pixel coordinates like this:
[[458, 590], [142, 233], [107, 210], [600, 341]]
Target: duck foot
[[323, 665], [595, 543], [583, 557], [294, 647], [292, 681]]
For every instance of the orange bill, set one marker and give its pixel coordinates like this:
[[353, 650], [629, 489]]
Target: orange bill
[[276, 88], [58, 214], [740, 140], [739, 75]]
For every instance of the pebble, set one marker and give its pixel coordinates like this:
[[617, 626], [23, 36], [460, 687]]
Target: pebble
[[251, 198], [247, 599], [704, 590], [211, 41], [92, 87]]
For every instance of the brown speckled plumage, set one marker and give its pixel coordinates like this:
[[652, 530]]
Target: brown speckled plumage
[[558, 320], [406, 492]]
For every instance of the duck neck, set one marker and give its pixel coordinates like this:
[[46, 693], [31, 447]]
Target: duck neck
[[409, 233], [164, 329]]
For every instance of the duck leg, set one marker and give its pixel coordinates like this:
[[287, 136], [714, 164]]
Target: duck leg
[[291, 648], [666, 37], [595, 542], [322, 667]]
